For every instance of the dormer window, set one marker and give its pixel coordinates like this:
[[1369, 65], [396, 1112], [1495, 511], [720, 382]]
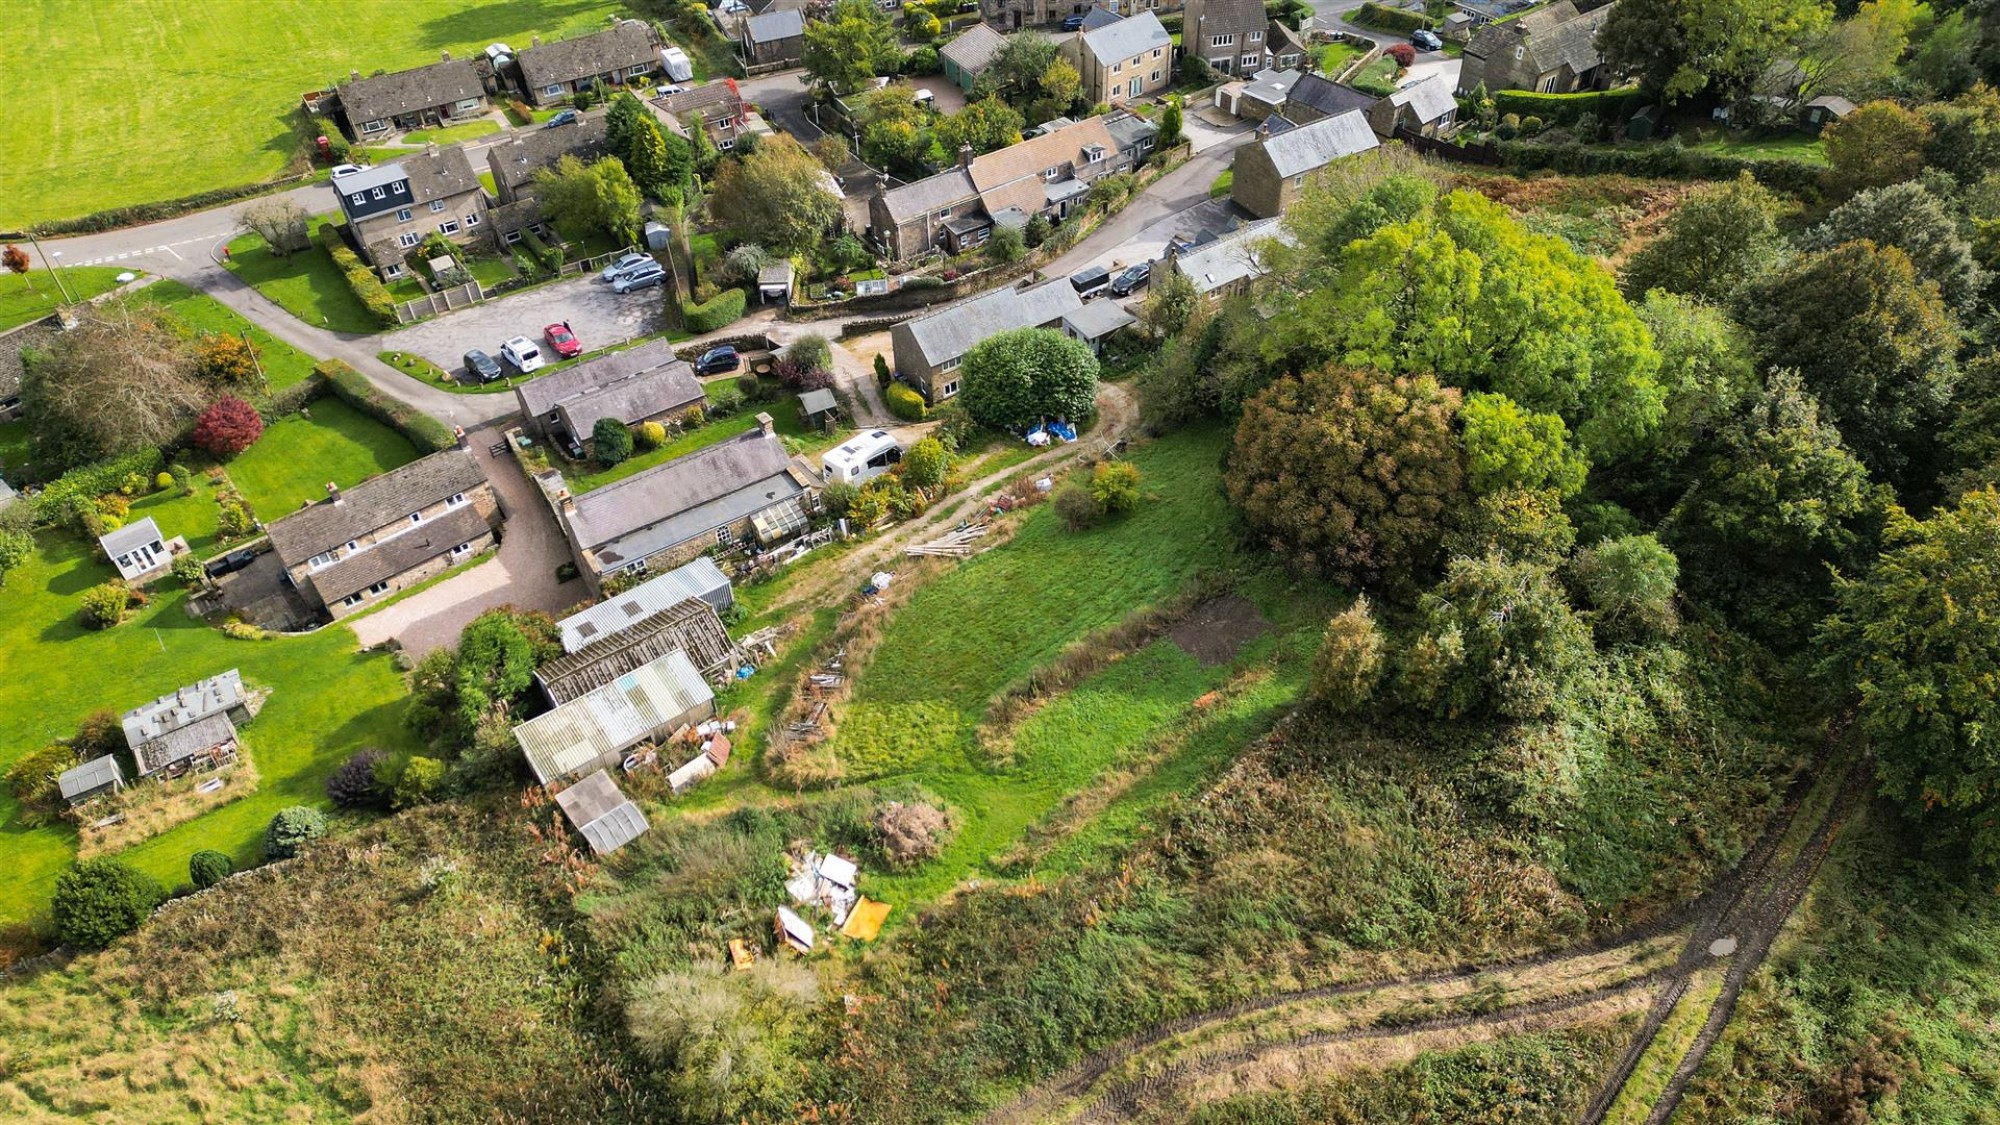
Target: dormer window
[[457, 499], [379, 193], [320, 561], [397, 187], [359, 197], [416, 517], [1093, 153]]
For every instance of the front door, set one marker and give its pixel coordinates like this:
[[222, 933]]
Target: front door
[[1132, 88]]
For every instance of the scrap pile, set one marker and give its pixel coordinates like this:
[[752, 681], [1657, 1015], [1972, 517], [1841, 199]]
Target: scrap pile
[[819, 685], [827, 882], [958, 543]]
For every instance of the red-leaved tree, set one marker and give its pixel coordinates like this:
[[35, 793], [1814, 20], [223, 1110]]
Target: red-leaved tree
[[1403, 53], [227, 428]]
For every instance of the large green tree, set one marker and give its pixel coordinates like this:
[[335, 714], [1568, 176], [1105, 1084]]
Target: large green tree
[[1918, 638], [1015, 74], [777, 196], [1879, 144], [892, 129], [1680, 48], [1349, 473], [1706, 369], [1719, 238], [1508, 447], [1963, 134], [1496, 638], [581, 199], [1908, 217], [1874, 344], [986, 124], [1013, 380], [854, 43]]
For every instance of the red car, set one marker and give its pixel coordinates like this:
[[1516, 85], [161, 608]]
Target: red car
[[562, 341]]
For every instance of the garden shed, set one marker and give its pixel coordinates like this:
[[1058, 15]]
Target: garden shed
[[595, 730], [85, 783], [819, 408], [700, 578], [601, 813]]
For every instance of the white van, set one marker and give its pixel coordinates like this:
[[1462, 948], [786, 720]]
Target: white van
[[861, 458], [522, 353]]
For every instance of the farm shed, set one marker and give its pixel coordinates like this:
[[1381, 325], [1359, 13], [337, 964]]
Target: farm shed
[[193, 725], [603, 815], [596, 729], [698, 579], [689, 626], [818, 408], [92, 779]]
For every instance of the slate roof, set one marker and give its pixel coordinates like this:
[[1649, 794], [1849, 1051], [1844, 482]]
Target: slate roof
[[700, 578], [1121, 39], [1316, 91], [817, 402], [136, 534], [1560, 36], [1429, 99], [1098, 17], [932, 193], [629, 385], [974, 48], [1130, 130], [712, 100], [951, 331], [409, 91], [1012, 176], [689, 625], [389, 557], [1098, 319], [774, 26], [603, 815], [433, 175], [35, 334], [94, 774], [1316, 145], [516, 161], [374, 503], [1230, 258], [1281, 39], [673, 502], [1236, 17], [626, 44]]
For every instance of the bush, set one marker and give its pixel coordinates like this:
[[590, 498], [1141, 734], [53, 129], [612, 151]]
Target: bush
[[350, 386], [905, 402], [649, 435], [32, 781], [1077, 507], [1569, 109], [1403, 53], [103, 607], [61, 500], [1115, 486], [838, 498], [182, 478], [1349, 664], [725, 309], [367, 288], [228, 427], [611, 442], [724, 402], [352, 784], [882, 376], [927, 464], [549, 258], [749, 387], [291, 830], [1530, 125], [421, 781], [187, 571], [208, 867], [234, 520], [99, 901], [163, 482], [1375, 15]]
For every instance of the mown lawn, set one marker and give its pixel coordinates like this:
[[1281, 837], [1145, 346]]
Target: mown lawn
[[31, 296], [327, 700], [283, 364], [216, 103], [298, 455], [452, 134], [308, 285], [1810, 150], [784, 417]]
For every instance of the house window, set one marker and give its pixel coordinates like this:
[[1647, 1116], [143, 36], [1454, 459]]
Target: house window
[[1520, 51], [1116, 67], [351, 599], [416, 517], [472, 218], [467, 105], [457, 498], [1250, 61], [461, 548], [1286, 62], [950, 364], [375, 126], [1254, 37], [1156, 51], [511, 237], [1547, 85], [944, 214], [635, 70], [359, 197], [407, 240], [320, 561], [353, 545], [1156, 76], [378, 588], [552, 91], [403, 216], [436, 206], [124, 562], [378, 193], [397, 187], [1222, 41], [1094, 153], [725, 144], [949, 389], [449, 226], [1052, 173], [393, 269]]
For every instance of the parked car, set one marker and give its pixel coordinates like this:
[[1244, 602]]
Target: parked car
[[1090, 281], [523, 354], [497, 51], [229, 563], [715, 361], [642, 277], [562, 340], [625, 263], [481, 368], [340, 170], [669, 91], [563, 117], [1072, 23], [1127, 283], [1426, 40]]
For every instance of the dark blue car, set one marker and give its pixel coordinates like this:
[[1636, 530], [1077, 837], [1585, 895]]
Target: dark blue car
[[715, 361], [566, 117], [1072, 23]]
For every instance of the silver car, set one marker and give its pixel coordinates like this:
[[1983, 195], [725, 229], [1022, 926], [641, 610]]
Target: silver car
[[640, 278], [625, 264]]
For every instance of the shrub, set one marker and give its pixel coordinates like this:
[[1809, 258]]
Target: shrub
[[99, 901], [882, 375], [243, 631], [187, 571], [1115, 486], [838, 498], [367, 288], [724, 309], [208, 867], [32, 781], [67, 499], [291, 830], [227, 360], [724, 402], [905, 402], [809, 350], [549, 258], [1376, 15], [1077, 507], [234, 520], [749, 387], [228, 427], [104, 606], [1403, 53], [352, 783], [422, 779], [182, 479], [1349, 663], [163, 482], [649, 435], [1530, 125], [611, 441]]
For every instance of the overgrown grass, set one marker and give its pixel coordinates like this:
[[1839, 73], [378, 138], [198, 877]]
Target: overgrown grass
[[1797, 146], [1656, 1067], [308, 284], [33, 295], [297, 456]]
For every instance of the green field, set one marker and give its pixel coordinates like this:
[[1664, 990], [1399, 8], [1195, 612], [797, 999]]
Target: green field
[[162, 98], [26, 297]]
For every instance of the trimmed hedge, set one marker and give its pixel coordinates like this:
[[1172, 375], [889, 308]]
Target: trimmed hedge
[[289, 400], [548, 257], [350, 386], [139, 214], [724, 310], [1667, 161], [90, 481], [1388, 19], [368, 289], [905, 402], [1610, 106]]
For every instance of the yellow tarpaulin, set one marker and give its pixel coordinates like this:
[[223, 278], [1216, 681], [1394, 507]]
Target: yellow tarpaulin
[[865, 920]]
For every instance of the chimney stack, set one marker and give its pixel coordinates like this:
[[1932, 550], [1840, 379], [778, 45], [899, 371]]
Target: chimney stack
[[965, 156], [333, 493], [765, 424], [1264, 129]]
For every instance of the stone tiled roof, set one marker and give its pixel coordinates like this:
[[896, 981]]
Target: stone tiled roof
[[703, 483], [1316, 91], [408, 91], [713, 101], [515, 162], [390, 557], [932, 193], [1556, 37], [1012, 176], [627, 44], [1231, 17], [950, 332], [540, 395], [436, 175], [389, 498], [974, 49]]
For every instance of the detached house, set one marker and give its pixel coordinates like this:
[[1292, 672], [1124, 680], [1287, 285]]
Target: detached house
[[1550, 51], [1125, 60], [957, 209], [393, 207], [643, 384], [387, 533], [428, 96], [1269, 172], [715, 107], [551, 72], [1226, 34], [930, 348]]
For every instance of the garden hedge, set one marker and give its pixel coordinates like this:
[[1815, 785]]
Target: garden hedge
[[1563, 109], [140, 213], [86, 481], [1388, 19], [724, 310], [905, 402], [350, 386], [368, 289], [1668, 160], [548, 257]]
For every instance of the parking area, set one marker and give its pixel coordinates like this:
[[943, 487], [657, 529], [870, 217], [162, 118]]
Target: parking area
[[598, 316], [1198, 224]]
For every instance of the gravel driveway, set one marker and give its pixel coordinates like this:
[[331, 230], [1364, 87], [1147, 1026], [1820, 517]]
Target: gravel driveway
[[598, 316]]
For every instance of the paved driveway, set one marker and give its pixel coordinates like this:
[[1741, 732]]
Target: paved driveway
[[597, 315], [522, 574]]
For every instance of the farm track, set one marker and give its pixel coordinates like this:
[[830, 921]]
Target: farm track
[[1751, 903]]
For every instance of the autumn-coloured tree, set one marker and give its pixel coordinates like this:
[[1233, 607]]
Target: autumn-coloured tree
[[123, 379], [227, 360], [227, 428], [15, 260], [1875, 146]]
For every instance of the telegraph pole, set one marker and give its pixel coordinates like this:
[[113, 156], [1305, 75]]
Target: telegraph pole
[[51, 264]]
